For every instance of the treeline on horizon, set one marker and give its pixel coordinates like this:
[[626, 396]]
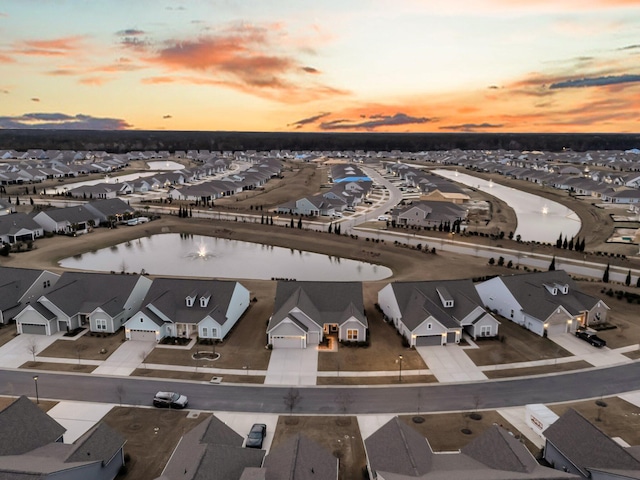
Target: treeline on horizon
[[122, 141]]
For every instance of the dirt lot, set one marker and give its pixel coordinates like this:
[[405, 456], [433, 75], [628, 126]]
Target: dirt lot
[[618, 419], [444, 431], [59, 367], [7, 333], [519, 345], [196, 375], [89, 346], [385, 345], [244, 346], [380, 380], [45, 405], [521, 372], [340, 436], [151, 437]]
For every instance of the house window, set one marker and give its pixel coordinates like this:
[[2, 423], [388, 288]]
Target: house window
[[46, 283], [101, 324], [205, 332], [485, 331], [429, 326], [214, 332], [511, 313], [352, 334], [190, 301]]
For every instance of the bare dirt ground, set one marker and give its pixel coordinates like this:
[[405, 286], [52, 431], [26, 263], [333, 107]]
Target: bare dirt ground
[[543, 370], [151, 435], [7, 333], [90, 346], [340, 436]]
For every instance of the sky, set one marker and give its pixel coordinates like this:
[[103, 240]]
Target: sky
[[322, 66]]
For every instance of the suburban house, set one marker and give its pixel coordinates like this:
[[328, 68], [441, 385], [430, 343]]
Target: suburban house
[[67, 220], [575, 445], [115, 209], [427, 213], [21, 286], [211, 450], [19, 227], [306, 312], [299, 458], [436, 312], [544, 302], [176, 307], [100, 301], [397, 451], [32, 447]]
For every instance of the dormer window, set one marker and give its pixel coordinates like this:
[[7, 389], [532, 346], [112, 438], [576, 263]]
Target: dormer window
[[204, 300], [190, 301]]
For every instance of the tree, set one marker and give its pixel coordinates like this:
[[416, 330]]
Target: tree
[[330, 227], [300, 223], [80, 348], [32, 348], [571, 244], [31, 201], [627, 281], [605, 276], [565, 243], [552, 266], [291, 224], [120, 391], [559, 241], [292, 399]]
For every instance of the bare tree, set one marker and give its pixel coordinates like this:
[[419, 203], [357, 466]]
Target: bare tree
[[143, 357], [33, 348], [80, 348], [292, 399]]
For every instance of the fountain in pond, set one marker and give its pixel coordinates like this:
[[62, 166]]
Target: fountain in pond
[[202, 253], [545, 209], [490, 183]]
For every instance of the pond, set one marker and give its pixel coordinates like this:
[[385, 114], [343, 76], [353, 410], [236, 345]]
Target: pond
[[539, 219], [175, 254]]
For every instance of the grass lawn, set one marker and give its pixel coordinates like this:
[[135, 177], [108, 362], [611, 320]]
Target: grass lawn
[[244, 346], [7, 333], [618, 419], [87, 347], [149, 448], [519, 345], [384, 380], [542, 370], [45, 405], [59, 367], [633, 355], [385, 345], [196, 375], [340, 436], [444, 430]]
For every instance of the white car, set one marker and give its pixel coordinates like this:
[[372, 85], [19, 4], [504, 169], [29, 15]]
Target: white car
[[337, 215], [383, 218]]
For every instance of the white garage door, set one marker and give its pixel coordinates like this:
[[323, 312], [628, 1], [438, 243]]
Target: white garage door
[[145, 335], [33, 328], [281, 341], [556, 329]]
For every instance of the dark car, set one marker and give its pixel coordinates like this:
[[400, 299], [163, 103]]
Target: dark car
[[170, 400], [591, 337], [256, 436]]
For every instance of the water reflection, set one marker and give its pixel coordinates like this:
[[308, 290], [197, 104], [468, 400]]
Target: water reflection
[[165, 254]]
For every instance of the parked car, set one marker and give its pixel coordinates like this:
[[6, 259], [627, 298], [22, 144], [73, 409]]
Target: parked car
[[350, 209], [368, 202], [170, 400], [591, 337], [383, 218], [256, 435], [337, 215]]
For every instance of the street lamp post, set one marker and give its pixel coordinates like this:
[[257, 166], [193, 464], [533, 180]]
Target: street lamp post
[[35, 380], [400, 368]]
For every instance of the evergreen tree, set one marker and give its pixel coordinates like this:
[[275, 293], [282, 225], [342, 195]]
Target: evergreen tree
[[627, 281], [261, 219], [31, 201], [291, 223], [582, 245], [605, 277], [190, 212], [559, 241], [565, 243], [271, 220], [330, 227], [17, 200], [300, 223], [34, 189], [552, 266], [571, 244]]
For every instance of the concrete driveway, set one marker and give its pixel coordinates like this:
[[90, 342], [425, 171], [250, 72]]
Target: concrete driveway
[[78, 417], [19, 350], [242, 422], [126, 358], [598, 357], [292, 366], [450, 364]]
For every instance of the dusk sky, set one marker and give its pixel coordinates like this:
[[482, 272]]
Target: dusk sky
[[328, 65]]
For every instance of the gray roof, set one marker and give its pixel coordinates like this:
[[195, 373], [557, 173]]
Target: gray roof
[[585, 445], [111, 206], [536, 300], [168, 296], [323, 302], [76, 214], [13, 223], [100, 443], [14, 283], [211, 451], [81, 292], [25, 427], [499, 450], [300, 458], [419, 300]]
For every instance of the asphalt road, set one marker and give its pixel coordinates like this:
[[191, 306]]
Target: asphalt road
[[593, 383]]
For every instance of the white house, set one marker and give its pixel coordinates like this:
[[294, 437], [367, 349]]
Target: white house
[[306, 312], [176, 307], [544, 302]]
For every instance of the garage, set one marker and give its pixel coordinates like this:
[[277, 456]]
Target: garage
[[428, 340], [33, 328], [143, 335], [556, 329], [284, 341]]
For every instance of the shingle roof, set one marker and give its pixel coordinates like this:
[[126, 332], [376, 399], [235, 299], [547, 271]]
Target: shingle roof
[[100, 443], [25, 427], [300, 458], [14, 283], [12, 224], [586, 445], [499, 450]]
